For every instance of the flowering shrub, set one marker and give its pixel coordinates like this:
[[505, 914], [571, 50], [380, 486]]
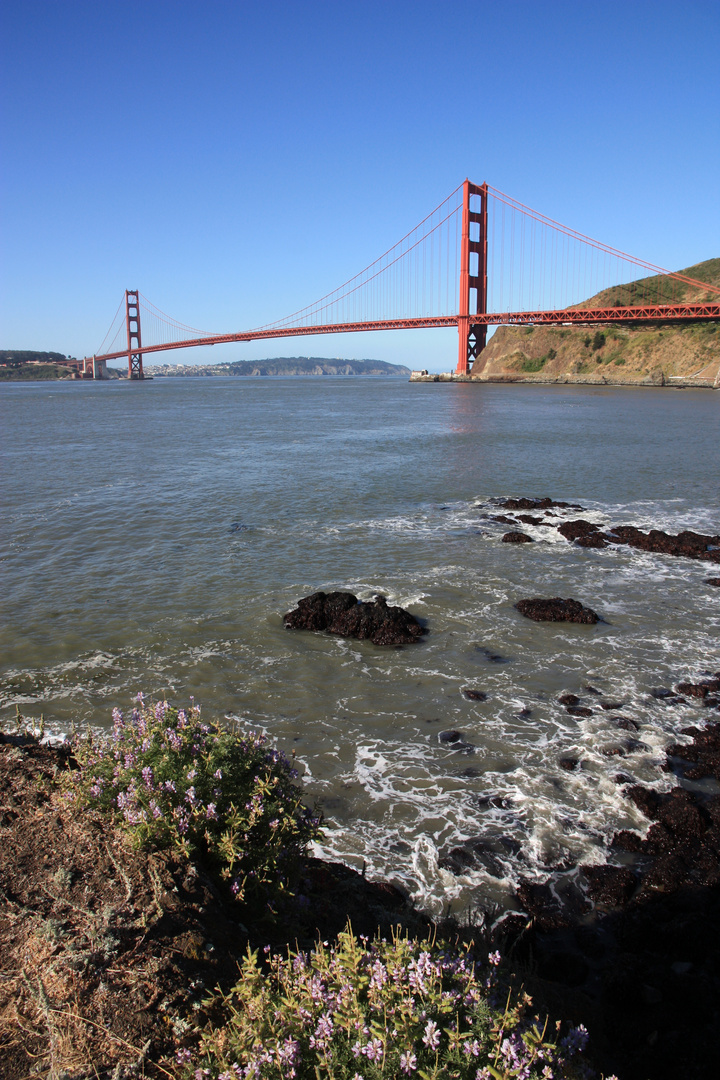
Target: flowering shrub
[[360, 1011], [173, 781]]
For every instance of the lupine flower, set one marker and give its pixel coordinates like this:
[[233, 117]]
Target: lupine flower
[[431, 1038], [576, 1040], [374, 1050], [408, 1062]]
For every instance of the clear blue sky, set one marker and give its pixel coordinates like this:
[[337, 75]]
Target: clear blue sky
[[234, 161]]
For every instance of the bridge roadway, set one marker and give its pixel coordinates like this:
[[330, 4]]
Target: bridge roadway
[[645, 313]]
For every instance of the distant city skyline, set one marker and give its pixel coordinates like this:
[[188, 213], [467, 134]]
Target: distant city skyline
[[235, 163]]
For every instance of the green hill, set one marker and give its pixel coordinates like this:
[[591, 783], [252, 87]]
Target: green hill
[[654, 355]]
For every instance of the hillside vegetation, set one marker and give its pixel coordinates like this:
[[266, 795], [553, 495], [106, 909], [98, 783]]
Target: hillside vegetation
[[655, 355]]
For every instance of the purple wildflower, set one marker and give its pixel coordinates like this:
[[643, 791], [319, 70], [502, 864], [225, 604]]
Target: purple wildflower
[[408, 1062], [431, 1038]]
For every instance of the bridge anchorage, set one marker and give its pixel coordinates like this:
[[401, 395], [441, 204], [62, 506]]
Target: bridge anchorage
[[479, 259]]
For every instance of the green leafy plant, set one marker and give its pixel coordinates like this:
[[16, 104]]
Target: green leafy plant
[[171, 780], [386, 1009], [598, 340], [533, 363]]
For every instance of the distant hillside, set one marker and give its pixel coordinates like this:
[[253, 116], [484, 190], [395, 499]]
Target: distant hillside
[[613, 354], [27, 364], [283, 365]]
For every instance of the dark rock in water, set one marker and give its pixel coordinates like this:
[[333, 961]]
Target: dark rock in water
[[548, 910], [455, 740], [343, 614], [592, 690], [569, 764], [475, 695], [613, 751], [611, 886], [699, 690], [625, 724], [579, 710], [610, 706], [496, 802], [572, 530], [470, 773], [712, 581], [505, 520], [494, 658], [687, 544], [517, 538], [528, 519], [556, 610], [480, 854], [661, 692], [647, 801], [631, 745], [593, 540], [472, 855], [625, 839], [569, 699], [525, 712], [536, 504]]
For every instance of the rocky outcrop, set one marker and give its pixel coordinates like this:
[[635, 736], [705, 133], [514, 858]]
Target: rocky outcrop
[[687, 544], [343, 614], [556, 610]]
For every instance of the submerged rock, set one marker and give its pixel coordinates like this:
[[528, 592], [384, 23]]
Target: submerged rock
[[556, 610], [536, 504], [517, 538], [456, 740], [343, 614], [712, 581], [475, 695]]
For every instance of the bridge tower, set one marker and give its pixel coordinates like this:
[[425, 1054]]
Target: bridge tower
[[473, 277], [134, 339]]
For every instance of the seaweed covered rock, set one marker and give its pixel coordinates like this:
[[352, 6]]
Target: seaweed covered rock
[[556, 610], [343, 614]]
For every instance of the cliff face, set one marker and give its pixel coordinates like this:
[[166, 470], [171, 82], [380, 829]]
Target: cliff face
[[654, 355]]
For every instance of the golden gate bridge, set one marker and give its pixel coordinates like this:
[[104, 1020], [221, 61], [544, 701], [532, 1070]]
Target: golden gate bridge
[[479, 259]]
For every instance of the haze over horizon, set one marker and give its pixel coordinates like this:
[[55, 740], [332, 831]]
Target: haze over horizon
[[236, 163]]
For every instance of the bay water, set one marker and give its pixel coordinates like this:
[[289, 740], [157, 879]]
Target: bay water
[[154, 534]]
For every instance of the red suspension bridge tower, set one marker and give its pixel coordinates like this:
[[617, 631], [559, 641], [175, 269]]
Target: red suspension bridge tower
[[134, 335], [473, 277]]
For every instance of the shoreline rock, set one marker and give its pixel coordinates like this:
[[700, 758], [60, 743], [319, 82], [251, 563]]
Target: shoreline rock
[[343, 614], [556, 609], [637, 938]]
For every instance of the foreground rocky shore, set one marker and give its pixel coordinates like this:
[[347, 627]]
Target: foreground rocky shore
[[108, 952]]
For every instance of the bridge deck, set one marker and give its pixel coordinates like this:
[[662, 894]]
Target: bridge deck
[[646, 313]]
